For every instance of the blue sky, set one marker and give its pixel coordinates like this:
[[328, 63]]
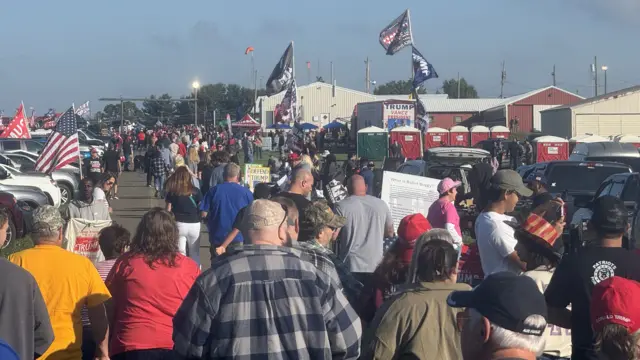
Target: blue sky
[[58, 52]]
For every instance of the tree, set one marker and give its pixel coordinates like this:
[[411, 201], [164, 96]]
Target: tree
[[131, 112], [467, 91], [400, 87], [154, 110]]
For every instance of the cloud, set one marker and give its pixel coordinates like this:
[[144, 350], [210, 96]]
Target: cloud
[[626, 11], [170, 42]]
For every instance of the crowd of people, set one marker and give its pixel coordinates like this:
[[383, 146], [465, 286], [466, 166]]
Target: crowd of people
[[299, 277]]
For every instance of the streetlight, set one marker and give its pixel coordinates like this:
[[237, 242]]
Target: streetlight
[[196, 85], [605, 68]]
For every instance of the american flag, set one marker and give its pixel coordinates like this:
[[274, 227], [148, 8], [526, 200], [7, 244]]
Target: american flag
[[83, 109], [62, 147]]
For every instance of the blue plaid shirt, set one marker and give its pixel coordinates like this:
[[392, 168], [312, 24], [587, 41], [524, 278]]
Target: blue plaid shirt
[[266, 302]]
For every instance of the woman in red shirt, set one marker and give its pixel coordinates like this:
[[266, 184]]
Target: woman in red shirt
[[148, 284]]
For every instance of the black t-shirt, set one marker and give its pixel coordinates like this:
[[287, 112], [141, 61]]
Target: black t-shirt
[[573, 281], [206, 170], [185, 208], [301, 202], [111, 159], [93, 168], [238, 221]]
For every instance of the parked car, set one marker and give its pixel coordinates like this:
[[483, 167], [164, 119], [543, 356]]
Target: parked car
[[442, 162], [624, 186], [607, 151], [17, 226], [488, 146], [12, 176], [68, 180], [30, 195], [576, 181], [32, 145]]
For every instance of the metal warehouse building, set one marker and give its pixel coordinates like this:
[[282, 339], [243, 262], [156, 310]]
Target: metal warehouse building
[[446, 113], [614, 113], [320, 104]]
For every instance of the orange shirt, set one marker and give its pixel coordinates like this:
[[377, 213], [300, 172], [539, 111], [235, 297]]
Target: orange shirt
[[145, 301], [68, 282]]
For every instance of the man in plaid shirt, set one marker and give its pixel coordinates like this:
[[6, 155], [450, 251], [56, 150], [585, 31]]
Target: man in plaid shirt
[[263, 300], [160, 169]]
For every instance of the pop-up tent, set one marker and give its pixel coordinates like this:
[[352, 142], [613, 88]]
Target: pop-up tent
[[500, 132], [479, 133], [373, 143], [280, 126], [435, 137], [459, 136], [335, 124], [247, 122], [550, 148], [308, 126], [410, 139], [630, 139]]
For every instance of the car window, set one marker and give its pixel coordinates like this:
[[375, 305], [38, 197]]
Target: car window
[[632, 190], [616, 189], [604, 189], [11, 145], [20, 160], [409, 169], [34, 146], [81, 136], [579, 178], [444, 172]]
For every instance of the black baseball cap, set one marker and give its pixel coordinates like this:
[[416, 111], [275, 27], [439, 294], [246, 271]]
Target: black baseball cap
[[507, 300], [609, 214]]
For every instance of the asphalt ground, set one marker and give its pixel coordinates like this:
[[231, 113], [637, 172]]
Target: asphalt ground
[[135, 199]]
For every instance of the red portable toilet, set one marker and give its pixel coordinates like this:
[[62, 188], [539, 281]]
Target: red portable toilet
[[435, 137], [410, 139], [630, 139], [550, 148], [479, 133], [586, 138], [459, 136], [500, 132]]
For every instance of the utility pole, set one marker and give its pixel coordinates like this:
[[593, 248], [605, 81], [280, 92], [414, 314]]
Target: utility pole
[[121, 113], [367, 77], [503, 78], [595, 75], [255, 92], [458, 85], [553, 75], [333, 82]]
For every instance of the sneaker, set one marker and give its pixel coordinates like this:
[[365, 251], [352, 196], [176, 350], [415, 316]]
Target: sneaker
[[115, 197]]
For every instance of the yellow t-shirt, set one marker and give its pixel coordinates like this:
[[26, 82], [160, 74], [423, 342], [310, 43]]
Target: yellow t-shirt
[[67, 282]]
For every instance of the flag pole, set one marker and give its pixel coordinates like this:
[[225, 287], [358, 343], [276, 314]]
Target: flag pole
[[73, 106]]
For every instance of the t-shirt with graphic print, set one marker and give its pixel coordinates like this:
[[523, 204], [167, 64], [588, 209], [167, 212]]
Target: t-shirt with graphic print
[[573, 281]]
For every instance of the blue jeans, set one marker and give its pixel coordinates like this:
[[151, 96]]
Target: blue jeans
[[159, 182], [248, 158]]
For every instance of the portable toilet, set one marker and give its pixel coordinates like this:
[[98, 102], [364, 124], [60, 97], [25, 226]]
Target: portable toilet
[[586, 138], [410, 139], [435, 137], [479, 133], [631, 139], [459, 136], [373, 143], [500, 132], [550, 148]]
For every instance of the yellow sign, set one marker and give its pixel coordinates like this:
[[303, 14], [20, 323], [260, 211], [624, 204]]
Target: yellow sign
[[255, 174]]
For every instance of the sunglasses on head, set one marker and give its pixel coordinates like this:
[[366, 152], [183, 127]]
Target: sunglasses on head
[[109, 183]]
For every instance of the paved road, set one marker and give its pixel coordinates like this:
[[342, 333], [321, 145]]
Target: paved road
[[135, 198]]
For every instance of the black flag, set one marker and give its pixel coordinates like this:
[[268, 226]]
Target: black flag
[[397, 35], [282, 74], [422, 69]]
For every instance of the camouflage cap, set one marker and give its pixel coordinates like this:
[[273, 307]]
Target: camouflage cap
[[46, 217], [263, 214], [319, 213]]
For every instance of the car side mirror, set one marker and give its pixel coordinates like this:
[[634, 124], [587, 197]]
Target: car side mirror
[[3, 174]]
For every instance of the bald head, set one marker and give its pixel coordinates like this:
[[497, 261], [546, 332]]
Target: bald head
[[357, 186], [302, 182]]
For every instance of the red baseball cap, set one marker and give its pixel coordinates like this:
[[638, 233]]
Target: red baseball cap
[[294, 156], [615, 301], [409, 230]]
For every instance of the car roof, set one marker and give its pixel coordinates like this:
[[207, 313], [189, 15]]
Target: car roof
[[575, 162]]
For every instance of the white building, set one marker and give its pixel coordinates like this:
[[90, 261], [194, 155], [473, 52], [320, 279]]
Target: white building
[[320, 104], [610, 114]]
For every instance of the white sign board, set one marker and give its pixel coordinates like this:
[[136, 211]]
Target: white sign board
[[266, 143], [552, 150], [408, 194]]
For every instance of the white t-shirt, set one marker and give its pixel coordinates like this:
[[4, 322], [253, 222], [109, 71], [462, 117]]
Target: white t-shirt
[[98, 194], [495, 241]]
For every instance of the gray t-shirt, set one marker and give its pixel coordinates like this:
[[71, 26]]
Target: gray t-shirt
[[360, 243]]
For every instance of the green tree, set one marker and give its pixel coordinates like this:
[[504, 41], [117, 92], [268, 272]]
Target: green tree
[[154, 110], [112, 112], [222, 98], [467, 91], [400, 87]]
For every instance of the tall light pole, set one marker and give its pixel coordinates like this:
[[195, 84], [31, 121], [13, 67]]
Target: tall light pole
[[605, 68], [196, 85]]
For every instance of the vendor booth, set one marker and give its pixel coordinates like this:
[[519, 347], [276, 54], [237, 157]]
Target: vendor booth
[[459, 136], [373, 143], [500, 132], [246, 122], [479, 133], [436, 137], [550, 148], [410, 139]]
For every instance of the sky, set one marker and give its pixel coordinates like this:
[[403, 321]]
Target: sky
[[59, 52]]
